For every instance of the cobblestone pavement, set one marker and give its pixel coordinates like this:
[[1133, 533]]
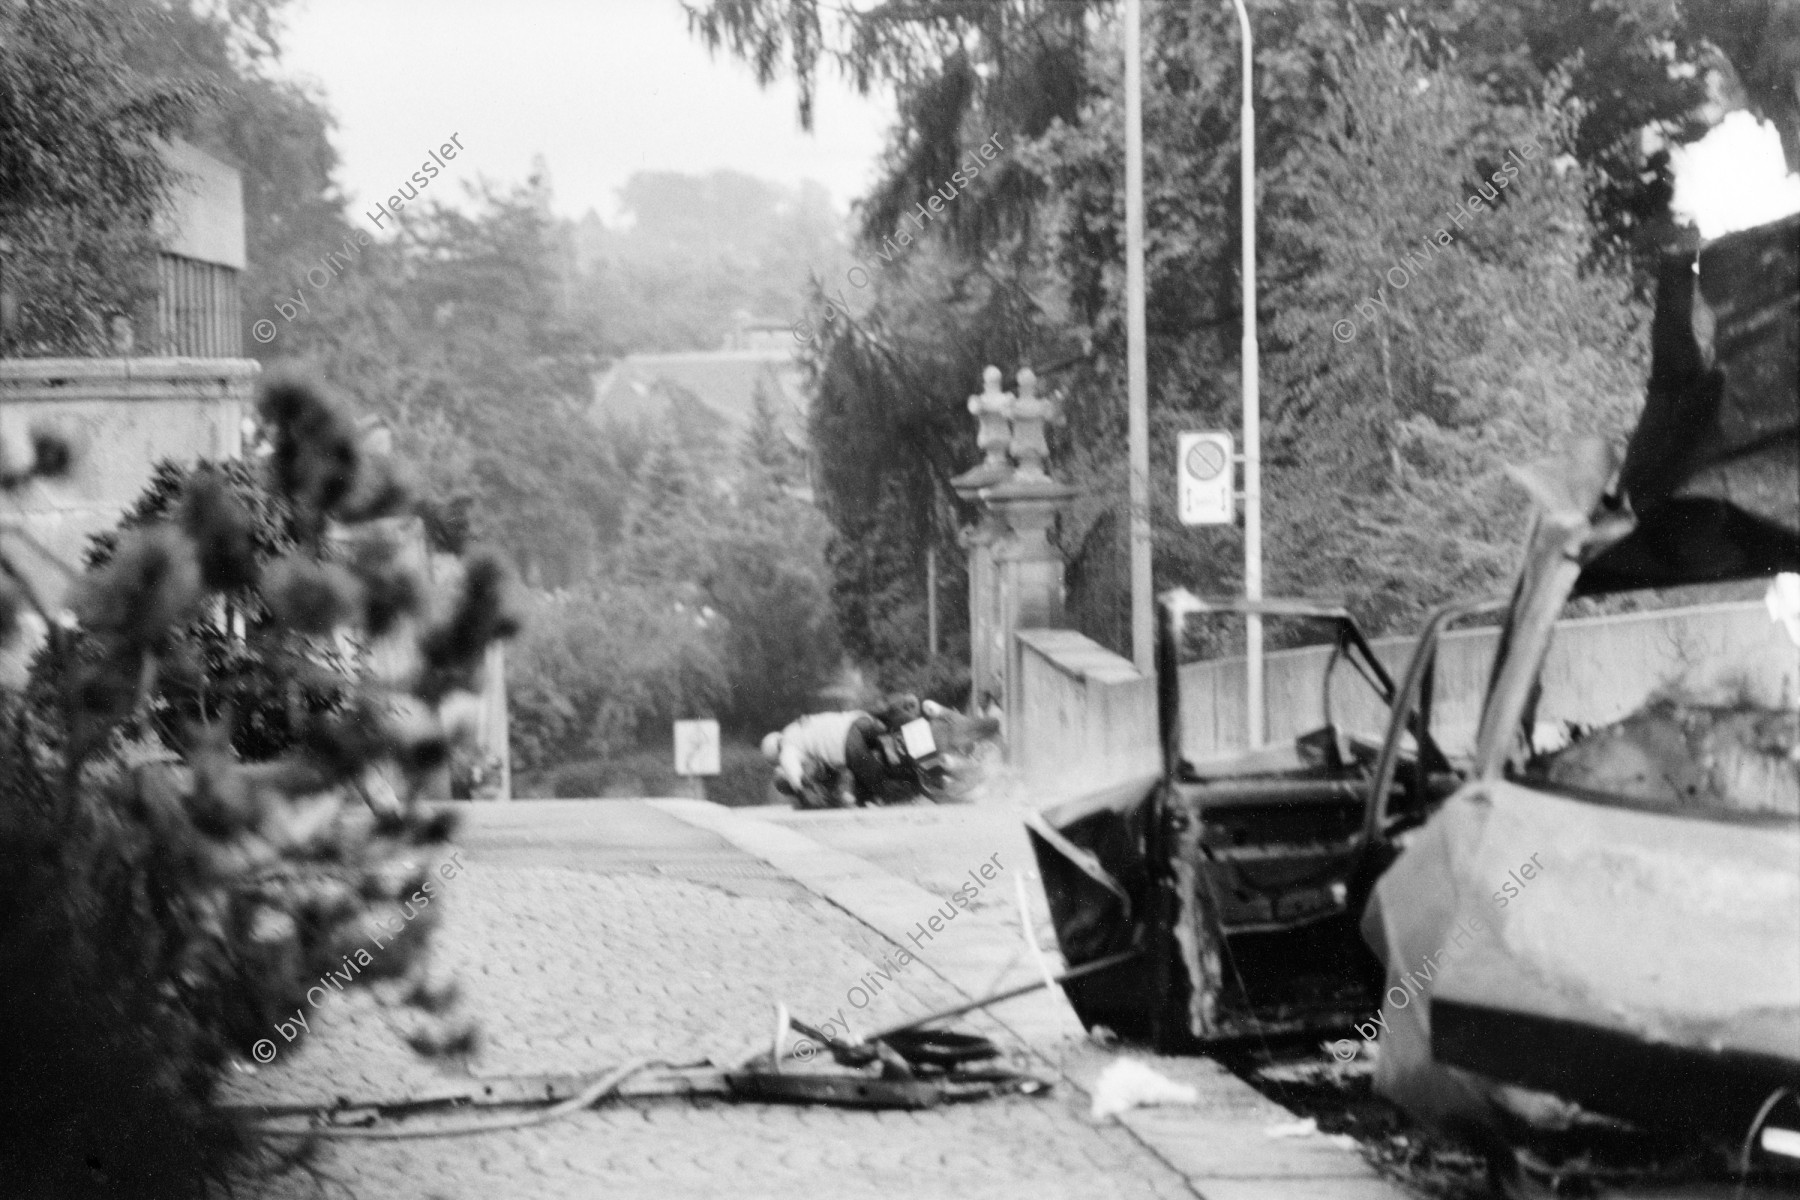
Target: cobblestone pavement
[[882, 865], [588, 933]]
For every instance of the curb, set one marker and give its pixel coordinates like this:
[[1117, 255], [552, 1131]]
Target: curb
[[965, 954], [1220, 1147]]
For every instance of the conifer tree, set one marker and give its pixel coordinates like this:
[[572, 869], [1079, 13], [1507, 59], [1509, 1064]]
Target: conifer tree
[[665, 513], [1428, 340], [770, 465]]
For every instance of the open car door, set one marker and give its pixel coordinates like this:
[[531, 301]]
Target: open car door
[[1241, 879]]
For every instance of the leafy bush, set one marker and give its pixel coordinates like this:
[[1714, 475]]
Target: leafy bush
[[598, 672], [780, 634], [712, 604], [745, 778], [237, 665], [160, 911]]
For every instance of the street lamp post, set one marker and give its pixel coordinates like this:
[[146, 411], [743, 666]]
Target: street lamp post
[[1253, 582], [1136, 387]]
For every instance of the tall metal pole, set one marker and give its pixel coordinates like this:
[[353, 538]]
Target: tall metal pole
[[1143, 633], [1253, 582], [931, 597]]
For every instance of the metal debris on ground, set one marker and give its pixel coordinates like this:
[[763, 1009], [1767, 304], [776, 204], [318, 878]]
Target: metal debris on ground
[[904, 1066], [907, 1068]]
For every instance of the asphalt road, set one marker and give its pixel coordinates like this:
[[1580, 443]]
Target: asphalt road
[[615, 837]]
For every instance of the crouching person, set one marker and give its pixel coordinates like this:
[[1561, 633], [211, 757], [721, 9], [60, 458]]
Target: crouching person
[[826, 759]]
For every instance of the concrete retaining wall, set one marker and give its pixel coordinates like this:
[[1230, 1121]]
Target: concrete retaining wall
[[123, 415], [1089, 718]]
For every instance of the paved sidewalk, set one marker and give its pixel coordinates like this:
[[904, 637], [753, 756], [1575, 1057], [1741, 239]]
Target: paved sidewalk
[[1220, 1147], [589, 932]]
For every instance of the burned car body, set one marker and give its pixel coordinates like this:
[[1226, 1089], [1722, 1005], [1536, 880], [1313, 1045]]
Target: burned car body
[[1242, 880], [1655, 974]]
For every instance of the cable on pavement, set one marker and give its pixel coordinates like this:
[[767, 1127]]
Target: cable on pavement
[[586, 1098]]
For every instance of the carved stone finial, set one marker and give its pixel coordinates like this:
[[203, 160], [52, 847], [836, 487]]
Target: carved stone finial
[[1029, 413], [992, 407]]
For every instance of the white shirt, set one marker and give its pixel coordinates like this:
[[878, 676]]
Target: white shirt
[[816, 739]]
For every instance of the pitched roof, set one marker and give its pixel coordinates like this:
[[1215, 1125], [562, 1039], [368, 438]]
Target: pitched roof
[[724, 381]]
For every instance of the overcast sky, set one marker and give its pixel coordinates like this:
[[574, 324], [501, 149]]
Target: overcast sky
[[602, 88]]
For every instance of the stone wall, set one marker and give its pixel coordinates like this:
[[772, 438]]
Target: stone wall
[[123, 415], [1088, 717]]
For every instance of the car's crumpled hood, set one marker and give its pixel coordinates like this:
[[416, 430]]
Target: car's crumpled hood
[[1658, 930]]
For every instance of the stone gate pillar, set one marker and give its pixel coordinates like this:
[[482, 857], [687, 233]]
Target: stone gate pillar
[[987, 670], [1015, 574]]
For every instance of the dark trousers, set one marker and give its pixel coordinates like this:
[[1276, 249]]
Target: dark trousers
[[864, 759]]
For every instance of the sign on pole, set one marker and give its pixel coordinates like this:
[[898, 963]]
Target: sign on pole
[[697, 747], [1206, 479]]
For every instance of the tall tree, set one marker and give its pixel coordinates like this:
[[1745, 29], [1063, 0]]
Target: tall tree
[[274, 131], [1019, 66], [770, 466], [962, 71], [81, 180], [1434, 323], [1026, 274], [457, 334], [768, 579], [665, 527]]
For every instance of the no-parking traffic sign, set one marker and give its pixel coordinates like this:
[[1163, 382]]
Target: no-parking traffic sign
[[1205, 479]]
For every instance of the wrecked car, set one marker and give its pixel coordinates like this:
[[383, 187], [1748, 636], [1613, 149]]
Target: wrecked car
[[1242, 880], [1606, 926], [1652, 972]]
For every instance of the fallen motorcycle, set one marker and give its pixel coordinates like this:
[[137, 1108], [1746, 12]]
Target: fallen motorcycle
[[929, 756], [901, 754], [911, 767]]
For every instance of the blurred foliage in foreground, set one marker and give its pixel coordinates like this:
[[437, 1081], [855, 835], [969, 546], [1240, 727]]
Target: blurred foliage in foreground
[[209, 804]]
